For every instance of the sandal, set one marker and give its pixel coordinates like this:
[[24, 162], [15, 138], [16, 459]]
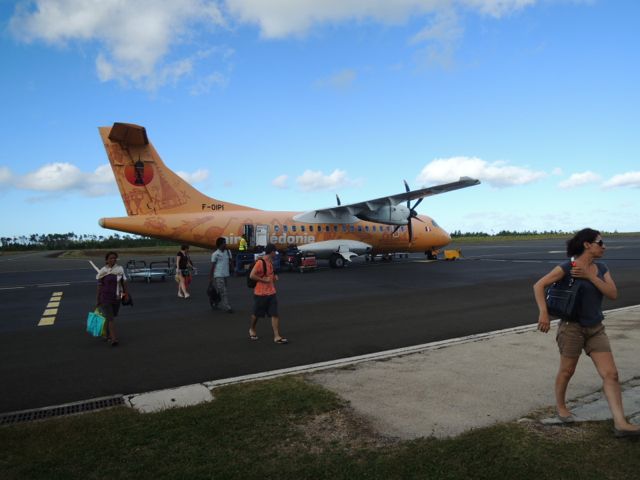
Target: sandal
[[281, 341]]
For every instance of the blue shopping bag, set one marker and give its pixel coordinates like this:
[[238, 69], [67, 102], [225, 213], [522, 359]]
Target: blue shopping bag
[[95, 323]]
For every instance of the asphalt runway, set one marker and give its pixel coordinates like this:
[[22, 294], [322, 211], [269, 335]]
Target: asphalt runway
[[328, 314]]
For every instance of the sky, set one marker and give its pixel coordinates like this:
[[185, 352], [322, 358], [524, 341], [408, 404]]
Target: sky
[[282, 104]]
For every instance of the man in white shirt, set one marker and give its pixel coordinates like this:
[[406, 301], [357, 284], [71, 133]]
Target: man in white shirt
[[221, 265]]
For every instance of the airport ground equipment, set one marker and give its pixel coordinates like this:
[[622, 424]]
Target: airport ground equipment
[[452, 254], [294, 259], [243, 262], [138, 269]]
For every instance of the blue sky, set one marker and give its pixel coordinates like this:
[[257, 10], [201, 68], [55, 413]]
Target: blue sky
[[282, 104]]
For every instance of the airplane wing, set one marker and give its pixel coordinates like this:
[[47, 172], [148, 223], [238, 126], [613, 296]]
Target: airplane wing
[[384, 209]]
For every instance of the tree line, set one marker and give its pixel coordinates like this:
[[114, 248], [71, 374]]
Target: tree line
[[509, 233], [71, 241]]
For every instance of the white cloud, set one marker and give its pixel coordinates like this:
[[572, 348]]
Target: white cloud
[[497, 8], [195, 177], [340, 80], [205, 84], [282, 18], [497, 174], [628, 179], [578, 179], [441, 36], [61, 177], [315, 180], [280, 181], [135, 37], [5, 175], [52, 177]]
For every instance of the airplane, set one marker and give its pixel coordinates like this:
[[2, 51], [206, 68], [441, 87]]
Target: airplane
[[160, 204]]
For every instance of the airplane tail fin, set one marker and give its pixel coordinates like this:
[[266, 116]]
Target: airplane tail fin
[[146, 184]]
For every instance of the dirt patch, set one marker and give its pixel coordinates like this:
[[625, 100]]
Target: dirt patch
[[342, 428], [581, 431]]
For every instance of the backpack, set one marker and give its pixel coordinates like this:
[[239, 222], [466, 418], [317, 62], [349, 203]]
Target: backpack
[[250, 282]]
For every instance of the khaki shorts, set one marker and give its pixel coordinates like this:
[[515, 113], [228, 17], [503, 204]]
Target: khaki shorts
[[572, 338]]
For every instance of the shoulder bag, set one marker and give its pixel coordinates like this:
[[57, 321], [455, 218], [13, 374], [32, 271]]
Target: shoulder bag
[[562, 298]]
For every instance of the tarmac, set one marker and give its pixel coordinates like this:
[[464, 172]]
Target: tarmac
[[443, 389]]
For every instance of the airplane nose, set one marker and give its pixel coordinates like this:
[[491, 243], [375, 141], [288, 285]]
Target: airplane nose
[[101, 222]]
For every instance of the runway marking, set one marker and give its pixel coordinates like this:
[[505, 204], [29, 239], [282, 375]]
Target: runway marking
[[47, 285], [51, 310], [10, 288]]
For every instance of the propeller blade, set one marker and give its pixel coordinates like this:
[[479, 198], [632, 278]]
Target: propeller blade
[[410, 231], [415, 205], [338, 199], [406, 187]]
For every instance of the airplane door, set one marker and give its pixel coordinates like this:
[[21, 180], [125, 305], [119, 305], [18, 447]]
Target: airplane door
[[248, 234], [262, 235]]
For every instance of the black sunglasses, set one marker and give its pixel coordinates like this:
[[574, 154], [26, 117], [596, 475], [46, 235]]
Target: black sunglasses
[[599, 243]]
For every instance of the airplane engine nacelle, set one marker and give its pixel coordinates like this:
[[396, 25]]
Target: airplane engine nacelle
[[389, 215]]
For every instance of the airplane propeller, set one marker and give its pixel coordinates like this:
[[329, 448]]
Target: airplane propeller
[[412, 213]]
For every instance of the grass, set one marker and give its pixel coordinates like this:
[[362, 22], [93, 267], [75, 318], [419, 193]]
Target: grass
[[289, 429]]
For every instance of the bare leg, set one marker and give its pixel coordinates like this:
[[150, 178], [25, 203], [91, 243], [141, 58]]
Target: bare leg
[[275, 324], [111, 331], [565, 372], [606, 366], [252, 326]]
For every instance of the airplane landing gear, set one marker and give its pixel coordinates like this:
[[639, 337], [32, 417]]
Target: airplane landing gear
[[336, 261]]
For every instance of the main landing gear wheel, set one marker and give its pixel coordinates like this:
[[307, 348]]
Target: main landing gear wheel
[[336, 261]]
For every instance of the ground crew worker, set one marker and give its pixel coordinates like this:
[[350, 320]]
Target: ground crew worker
[[242, 246]]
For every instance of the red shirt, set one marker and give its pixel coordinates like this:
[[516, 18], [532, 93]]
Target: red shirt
[[262, 288]]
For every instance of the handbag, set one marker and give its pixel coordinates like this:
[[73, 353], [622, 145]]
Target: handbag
[[562, 298], [214, 296], [95, 323]]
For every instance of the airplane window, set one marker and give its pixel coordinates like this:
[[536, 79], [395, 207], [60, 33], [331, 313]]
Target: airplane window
[[344, 227], [284, 228], [276, 228], [359, 228], [293, 228], [335, 228], [326, 228], [434, 223], [352, 228], [373, 228], [302, 228], [366, 229], [311, 228]]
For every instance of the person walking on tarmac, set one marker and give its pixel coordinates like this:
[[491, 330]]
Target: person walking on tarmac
[[265, 301], [242, 245], [221, 266], [183, 271]]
